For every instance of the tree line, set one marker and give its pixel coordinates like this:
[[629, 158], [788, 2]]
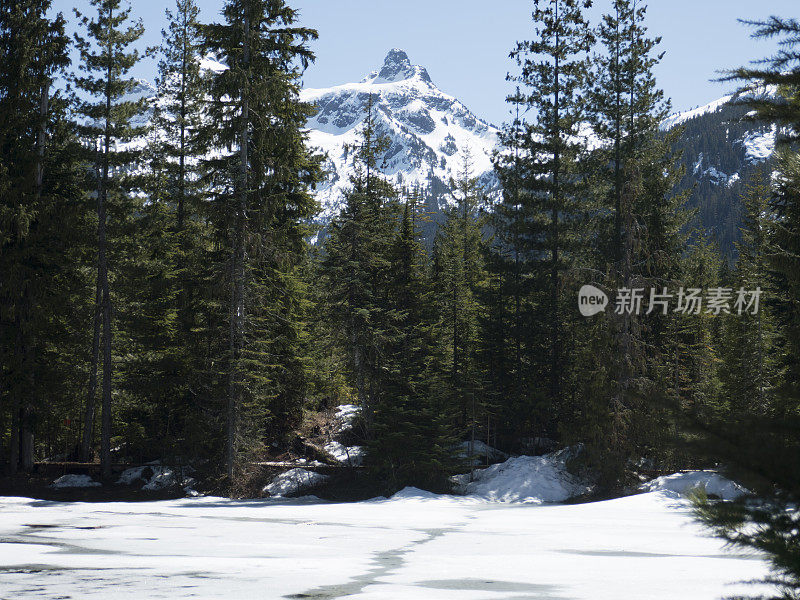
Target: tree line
[[160, 298]]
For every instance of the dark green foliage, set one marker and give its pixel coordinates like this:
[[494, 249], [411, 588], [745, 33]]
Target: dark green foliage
[[757, 431], [749, 372], [167, 379], [356, 268], [540, 223], [175, 257], [770, 528], [380, 308], [42, 223], [459, 274], [260, 199], [413, 438]]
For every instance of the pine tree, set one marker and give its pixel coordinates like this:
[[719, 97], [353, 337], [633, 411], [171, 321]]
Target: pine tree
[[40, 212], [553, 68], [356, 266], [459, 274], [168, 372], [780, 105], [637, 245], [511, 349], [261, 198], [767, 444], [412, 437], [107, 122], [748, 372], [180, 117]]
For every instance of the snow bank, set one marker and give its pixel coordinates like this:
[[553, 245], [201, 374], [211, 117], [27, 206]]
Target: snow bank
[[162, 478], [682, 484], [74, 481], [527, 479], [128, 476], [345, 415], [349, 455], [759, 145], [294, 481]]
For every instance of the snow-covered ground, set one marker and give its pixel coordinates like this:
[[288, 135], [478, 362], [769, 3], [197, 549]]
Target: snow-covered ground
[[415, 546]]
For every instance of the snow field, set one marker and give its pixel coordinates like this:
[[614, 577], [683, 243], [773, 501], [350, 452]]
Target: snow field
[[415, 545]]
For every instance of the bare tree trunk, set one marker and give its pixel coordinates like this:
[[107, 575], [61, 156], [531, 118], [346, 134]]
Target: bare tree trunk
[[105, 440], [555, 341], [230, 447], [88, 423], [28, 366], [18, 400], [13, 454], [26, 439]]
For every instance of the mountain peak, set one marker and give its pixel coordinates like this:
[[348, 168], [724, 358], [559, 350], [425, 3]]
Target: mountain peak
[[398, 67], [396, 63]]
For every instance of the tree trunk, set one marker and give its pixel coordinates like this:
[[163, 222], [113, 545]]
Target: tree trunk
[[89, 417], [13, 453], [25, 341], [105, 440], [237, 268], [26, 439], [555, 341]]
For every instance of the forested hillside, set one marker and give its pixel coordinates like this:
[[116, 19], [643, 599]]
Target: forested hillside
[[721, 151], [166, 294]]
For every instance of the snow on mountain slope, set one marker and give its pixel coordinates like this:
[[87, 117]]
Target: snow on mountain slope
[[723, 145], [681, 117], [759, 144], [429, 131]]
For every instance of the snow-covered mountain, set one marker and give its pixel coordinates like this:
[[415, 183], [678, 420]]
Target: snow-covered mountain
[[751, 142], [429, 131]]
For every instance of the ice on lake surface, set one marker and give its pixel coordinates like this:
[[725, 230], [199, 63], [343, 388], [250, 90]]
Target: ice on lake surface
[[417, 546]]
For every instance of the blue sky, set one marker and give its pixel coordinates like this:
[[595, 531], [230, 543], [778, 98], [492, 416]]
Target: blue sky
[[464, 44]]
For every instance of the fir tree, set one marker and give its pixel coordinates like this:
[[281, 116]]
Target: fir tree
[[412, 438], [767, 445], [356, 266], [781, 107], [170, 326], [553, 68], [107, 121], [513, 249], [748, 372], [39, 202], [637, 244], [459, 273], [261, 198]]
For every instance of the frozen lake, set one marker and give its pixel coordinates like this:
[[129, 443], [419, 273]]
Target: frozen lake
[[415, 546]]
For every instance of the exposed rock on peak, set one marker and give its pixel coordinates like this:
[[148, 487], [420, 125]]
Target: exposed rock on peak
[[397, 67]]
